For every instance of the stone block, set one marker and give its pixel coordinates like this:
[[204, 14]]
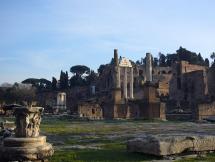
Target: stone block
[[164, 144]]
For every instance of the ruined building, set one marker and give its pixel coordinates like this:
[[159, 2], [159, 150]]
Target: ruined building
[[122, 91], [188, 82], [192, 90]]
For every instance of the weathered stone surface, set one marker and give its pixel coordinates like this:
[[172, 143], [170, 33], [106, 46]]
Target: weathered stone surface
[[28, 121], [22, 142], [164, 144], [27, 145], [26, 153]]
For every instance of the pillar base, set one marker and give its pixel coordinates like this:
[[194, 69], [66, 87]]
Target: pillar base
[[26, 149]]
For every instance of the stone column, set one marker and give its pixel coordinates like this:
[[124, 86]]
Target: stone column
[[132, 83], [116, 60], [125, 82], [116, 93], [116, 69], [148, 67], [118, 78]]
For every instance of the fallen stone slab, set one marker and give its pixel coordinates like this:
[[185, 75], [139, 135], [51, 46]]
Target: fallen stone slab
[[210, 119], [171, 144]]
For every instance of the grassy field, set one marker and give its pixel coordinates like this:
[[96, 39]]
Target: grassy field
[[91, 141], [105, 141]]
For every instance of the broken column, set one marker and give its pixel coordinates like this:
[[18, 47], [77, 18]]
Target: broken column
[[132, 83], [61, 100], [154, 108], [116, 81], [148, 67], [27, 145], [117, 69]]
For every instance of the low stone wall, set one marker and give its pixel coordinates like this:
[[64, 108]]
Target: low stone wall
[[179, 117], [204, 110], [153, 110], [90, 110]]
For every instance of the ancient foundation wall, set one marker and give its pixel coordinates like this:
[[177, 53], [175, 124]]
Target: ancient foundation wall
[[179, 117], [108, 110], [204, 111], [152, 110], [120, 111], [90, 111]]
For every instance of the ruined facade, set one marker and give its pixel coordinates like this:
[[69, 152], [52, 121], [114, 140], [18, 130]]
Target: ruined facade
[[189, 82], [192, 90], [204, 111], [91, 111], [120, 92]]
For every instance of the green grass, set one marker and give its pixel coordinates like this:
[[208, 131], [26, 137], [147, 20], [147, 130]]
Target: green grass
[[96, 133], [111, 152], [108, 138], [87, 133], [208, 158], [79, 127]]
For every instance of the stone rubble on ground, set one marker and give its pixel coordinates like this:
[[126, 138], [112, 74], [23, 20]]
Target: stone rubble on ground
[[171, 144]]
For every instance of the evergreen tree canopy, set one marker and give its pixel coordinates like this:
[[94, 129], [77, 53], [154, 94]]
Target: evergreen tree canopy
[[101, 69], [79, 70], [64, 80], [38, 83], [54, 83], [162, 59]]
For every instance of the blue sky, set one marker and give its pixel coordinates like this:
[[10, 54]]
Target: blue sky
[[38, 38]]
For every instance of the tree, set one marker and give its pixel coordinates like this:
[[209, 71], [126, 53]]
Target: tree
[[155, 62], [183, 54], [24, 94], [40, 84], [138, 62], [91, 78], [192, 57], [77, 81], [170, 59], [143, 61], [79, 70], [213, 58], [64, 80], [213, 55], [54, 83], [162, 59], [44, 83], [200, 60], [32, 81], [207, 63], [101, 69], [19, 94]]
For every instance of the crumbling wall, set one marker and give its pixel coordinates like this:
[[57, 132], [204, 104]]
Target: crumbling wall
[[187, 80], [90, 111], [152, 110], [211, 85], [204, 110]]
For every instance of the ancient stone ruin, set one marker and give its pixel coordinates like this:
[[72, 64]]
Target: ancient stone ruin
[[27, 145], [172, 144]]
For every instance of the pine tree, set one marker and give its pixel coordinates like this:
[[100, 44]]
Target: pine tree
[[54, 83]]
